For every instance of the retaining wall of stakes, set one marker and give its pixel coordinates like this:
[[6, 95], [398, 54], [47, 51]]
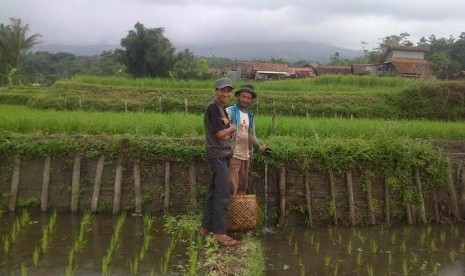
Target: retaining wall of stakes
[[294, 196]]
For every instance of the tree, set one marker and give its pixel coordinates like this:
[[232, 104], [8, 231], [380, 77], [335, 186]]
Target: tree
[[147, 53], [377, 55], [14, 43], [443, 65]]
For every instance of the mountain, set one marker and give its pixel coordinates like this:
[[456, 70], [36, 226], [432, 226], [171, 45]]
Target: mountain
[[290, 51]]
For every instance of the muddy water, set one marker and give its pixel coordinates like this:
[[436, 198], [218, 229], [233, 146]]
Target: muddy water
[[89, 261], [402, 250], [425, 250]]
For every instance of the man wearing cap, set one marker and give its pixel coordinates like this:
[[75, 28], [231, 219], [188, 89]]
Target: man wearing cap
[[218, 131], [244, 141]]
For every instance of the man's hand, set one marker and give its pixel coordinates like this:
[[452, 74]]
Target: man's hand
[[226, 133]]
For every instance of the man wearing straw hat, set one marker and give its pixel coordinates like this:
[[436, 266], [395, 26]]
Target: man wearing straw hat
[[218, 131], [244, 141]]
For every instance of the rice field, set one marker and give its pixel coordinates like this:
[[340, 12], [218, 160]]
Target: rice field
[[21, 119]]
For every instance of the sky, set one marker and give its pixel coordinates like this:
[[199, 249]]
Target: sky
[[341, 23]]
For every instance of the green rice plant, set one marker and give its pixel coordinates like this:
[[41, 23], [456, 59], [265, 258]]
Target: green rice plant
[[6, 244], [435, 268], [349, 248], [405, 268], [330, 233], [359, 259], [362, 237], [296, 249], [114, 243], [452, 256], [442, 237], [70, 268], [429, 229], [24, 269], [302, 268], [35, 256], [339, 238], [373, 246], [403, 246], [432, 245], [370, 270], [327, 260], [45, 239], [317, 247], [462, 246], [335, 271], [455, 231], [389, 257], [134, 265], [169, 250], [393, 238]]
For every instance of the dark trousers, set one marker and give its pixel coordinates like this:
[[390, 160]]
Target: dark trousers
[[215, 212]]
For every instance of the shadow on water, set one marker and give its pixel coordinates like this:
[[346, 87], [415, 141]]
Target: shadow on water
[[402, 250]]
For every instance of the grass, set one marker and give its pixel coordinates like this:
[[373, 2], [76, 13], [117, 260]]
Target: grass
[[20, 119]]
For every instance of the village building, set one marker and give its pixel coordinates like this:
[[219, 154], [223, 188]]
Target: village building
[[407, 61], [267, 71]]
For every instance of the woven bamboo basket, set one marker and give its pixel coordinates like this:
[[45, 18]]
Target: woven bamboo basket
[[243, 213]]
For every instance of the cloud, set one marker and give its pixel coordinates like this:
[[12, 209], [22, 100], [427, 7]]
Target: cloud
[[339, 22]]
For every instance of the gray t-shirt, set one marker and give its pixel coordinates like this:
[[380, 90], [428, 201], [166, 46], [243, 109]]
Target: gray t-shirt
[[216, 119]]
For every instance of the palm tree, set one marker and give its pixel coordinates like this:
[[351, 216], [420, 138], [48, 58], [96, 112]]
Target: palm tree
[[14, 43]]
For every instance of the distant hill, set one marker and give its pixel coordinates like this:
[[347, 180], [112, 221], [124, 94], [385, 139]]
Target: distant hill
[[290, 51]]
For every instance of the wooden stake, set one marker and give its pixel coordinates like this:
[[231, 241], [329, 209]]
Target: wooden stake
[[420, 194], [185, 105], [462, 195], [409, 214], [369, 187], [97, 183], [386, 203], [166, 205], [308, 198], [436, 206], [332, 191], [75, 183], [15, 183], [453, 195], [137, 186], [45, 184], [118, 185], [350, 194], [282, 196], [192, 185]]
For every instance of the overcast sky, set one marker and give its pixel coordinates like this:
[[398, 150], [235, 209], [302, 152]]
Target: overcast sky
[[342, 23]]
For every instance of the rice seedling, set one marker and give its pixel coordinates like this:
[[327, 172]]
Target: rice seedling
[[45, 239], [302, 268], [405, 268], [403, 246], [452, 256], [462, 246], [435, 268], [349, 248], [393, 238], [134, 265], [24, 269], [362, 237], [335, 271], [35, 256], [359, 259], [389, 257], [442, 237], [339, 239], [370, 270], [327, 260], [6, 244], [168, 252], [296, 249], [114, 243], [317, 247], [373, 246], [432, 245], [429, 229]]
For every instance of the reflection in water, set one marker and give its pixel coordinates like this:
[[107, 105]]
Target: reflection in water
[[414, 250]]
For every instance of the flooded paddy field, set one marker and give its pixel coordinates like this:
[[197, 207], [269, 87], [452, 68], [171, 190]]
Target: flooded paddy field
[[396, 250], [35, 243]]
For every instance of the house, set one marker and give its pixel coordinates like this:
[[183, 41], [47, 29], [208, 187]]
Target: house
[[264, 70], [333, 69], [407, 61]]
